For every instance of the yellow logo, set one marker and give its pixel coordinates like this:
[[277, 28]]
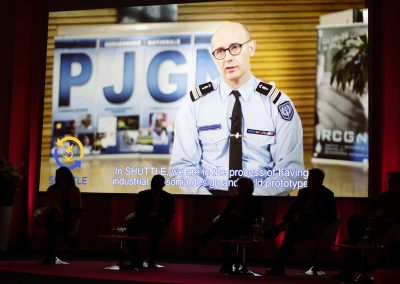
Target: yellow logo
[[68, 154]]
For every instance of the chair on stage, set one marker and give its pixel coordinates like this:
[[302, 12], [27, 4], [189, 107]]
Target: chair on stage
[[241, 244], [120, 234], [319, 246], [70, 227], [388, 249]]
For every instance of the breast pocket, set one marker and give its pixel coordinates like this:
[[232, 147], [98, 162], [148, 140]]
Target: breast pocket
[[258, 140], [257, 150], [213, 141]]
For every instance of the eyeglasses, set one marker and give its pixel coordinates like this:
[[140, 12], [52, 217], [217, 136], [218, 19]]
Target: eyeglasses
[[234, 49]]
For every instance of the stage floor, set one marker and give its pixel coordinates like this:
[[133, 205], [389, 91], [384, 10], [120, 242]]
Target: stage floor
[[78, 271]]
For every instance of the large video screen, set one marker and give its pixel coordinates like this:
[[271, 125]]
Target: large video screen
[[132, 100]]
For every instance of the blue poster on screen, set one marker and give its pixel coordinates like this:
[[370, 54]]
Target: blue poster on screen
[[120, 93]]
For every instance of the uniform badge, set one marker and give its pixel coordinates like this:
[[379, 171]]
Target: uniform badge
[[209, 127], [264, 88], [269, 90], [286, 110], [201, 91], [261, 132]]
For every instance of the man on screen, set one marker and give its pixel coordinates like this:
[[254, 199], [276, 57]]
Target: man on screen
[[237, 126]]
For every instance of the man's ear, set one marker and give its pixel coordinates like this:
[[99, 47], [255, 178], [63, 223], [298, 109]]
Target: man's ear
[[252, 47]]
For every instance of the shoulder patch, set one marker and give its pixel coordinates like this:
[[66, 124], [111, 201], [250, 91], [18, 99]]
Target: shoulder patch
[[269, 91], [286, 110], [201, 91]]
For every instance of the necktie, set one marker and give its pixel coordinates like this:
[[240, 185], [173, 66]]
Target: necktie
[[235, 146]]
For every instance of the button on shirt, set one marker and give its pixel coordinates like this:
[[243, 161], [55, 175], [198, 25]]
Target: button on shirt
[[270, 143]]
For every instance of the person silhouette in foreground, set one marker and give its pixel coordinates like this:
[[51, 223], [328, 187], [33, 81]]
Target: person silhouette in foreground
[[62, 215], [241, 214], [312, 211], [383, 214], [155, 208]]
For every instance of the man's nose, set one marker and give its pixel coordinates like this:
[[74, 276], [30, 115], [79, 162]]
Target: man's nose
[[228, 56], [227, 61]]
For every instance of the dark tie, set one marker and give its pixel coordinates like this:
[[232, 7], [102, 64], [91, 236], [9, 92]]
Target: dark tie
[[235, 146]]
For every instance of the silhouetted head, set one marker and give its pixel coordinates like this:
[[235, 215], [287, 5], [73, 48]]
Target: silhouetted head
[[245, 186], [394, 181], [64, 178], [315, 178], [157, 182]]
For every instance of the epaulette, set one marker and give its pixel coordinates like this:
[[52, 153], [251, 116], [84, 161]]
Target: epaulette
[[269, 91], [201, 91]]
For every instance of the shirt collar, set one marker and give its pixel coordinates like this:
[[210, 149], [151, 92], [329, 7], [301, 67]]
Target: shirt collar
[[246, 90]]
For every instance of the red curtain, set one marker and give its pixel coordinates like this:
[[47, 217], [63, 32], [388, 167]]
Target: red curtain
[[384, 100], [390, 93], [7, 35], [26, 106]]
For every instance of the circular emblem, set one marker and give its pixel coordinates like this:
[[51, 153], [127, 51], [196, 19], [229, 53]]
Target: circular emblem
[[68, 144]]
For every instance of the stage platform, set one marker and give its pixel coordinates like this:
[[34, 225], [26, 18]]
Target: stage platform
[[92, 271]]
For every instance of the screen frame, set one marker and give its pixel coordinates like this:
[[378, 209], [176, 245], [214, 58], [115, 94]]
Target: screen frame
[[374, 180]]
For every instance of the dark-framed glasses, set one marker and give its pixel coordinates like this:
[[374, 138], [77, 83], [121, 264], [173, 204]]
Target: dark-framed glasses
[[234, 49]]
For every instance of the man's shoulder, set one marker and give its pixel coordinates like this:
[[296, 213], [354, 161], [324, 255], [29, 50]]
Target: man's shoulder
[[75, 192], [327, 191], [144, 193], [303, 191], [167, 194], [323, 190], [269, 91], [281, 104], [203, 90], [52, 189]]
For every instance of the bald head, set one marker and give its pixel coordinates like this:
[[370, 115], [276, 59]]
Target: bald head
[[234, 68], [231, 29]]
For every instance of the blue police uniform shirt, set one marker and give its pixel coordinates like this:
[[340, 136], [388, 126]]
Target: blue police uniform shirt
[[272, 141]]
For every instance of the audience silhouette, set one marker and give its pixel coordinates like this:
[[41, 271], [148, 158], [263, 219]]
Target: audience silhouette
[[382, 215], [239, 217], [154, 209], [312, 211], [62, 215]]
